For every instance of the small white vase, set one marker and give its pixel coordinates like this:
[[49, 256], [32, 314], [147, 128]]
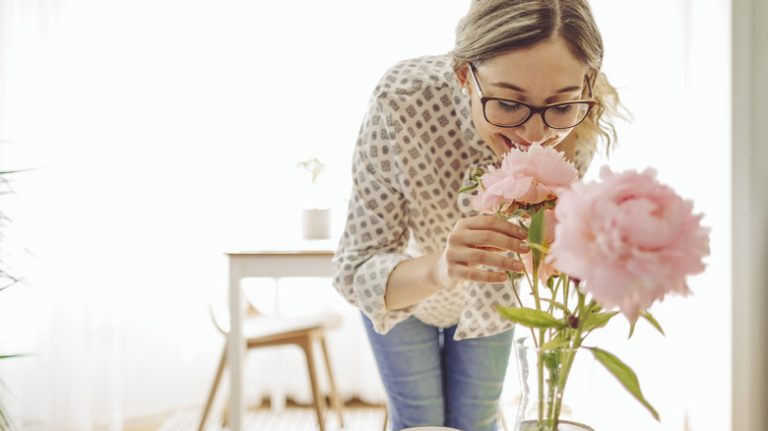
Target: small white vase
[[316, 223]]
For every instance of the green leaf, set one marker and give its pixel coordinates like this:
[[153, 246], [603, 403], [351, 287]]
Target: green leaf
[[556, 343], [5, 423], [12, 356], [468, 187], [652, 320], [530, 317], [14, 172], [540, 248], [477, 173], [557, 305], [631, 329], [647, 316], [624, 375], [536, 236], [598, 320]]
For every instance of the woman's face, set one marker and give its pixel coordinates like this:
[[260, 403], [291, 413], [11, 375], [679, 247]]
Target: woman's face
[[541, 75]]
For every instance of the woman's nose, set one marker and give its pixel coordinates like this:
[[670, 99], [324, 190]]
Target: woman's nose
[[534, 130]]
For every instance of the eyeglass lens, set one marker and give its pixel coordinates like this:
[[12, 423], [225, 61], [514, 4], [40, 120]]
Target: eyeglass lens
[[509, 113]]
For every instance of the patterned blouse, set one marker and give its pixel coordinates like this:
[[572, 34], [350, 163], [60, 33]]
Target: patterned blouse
[[414, 152]]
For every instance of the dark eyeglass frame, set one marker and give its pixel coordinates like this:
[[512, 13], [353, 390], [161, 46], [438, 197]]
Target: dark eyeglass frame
[[531, 108]]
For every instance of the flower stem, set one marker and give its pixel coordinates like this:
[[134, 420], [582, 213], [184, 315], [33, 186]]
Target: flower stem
[[525, 270], [540, 374], [520, 302], [540, 353], [535, 289], [583, 314]]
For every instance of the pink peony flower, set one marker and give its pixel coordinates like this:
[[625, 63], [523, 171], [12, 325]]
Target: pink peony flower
[[630, 239], [528, 177]]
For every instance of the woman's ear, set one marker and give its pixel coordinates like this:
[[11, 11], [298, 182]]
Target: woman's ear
[[462, 75]]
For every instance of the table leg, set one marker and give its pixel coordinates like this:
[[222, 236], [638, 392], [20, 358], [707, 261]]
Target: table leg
[[277, 394], [236, 347]]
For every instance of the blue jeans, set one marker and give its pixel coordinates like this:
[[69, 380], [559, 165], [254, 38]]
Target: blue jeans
[[431, 379]]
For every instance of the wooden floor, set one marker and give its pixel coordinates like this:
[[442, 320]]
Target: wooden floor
[[290, 419]]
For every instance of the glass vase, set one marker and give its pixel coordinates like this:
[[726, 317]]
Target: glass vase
[[554, 385]]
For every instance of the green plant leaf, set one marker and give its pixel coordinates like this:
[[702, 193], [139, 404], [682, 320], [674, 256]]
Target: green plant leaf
[[18, 355], [598, 320], [647, 316], [624, 375], [540, 248], [652, 320], [556, 343], [631, 329], [5, 423], [14, 172], [536, 236], [468, 188], [530, 317], [557, 305], [477, 173]]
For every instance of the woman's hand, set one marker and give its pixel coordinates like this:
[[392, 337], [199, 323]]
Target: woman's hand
[[476, 241]]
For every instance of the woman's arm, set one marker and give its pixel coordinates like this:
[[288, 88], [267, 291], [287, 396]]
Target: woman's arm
[[411, 281], [473, 242]]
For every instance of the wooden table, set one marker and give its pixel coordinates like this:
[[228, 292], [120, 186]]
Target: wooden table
[[306, 259]]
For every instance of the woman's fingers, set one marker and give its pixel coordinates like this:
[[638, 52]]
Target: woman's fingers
[[496, 224], [474, 274], [486, 239], [477, 241], [472, 257]]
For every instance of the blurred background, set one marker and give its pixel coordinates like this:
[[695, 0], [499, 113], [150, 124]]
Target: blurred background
[[160, 134]]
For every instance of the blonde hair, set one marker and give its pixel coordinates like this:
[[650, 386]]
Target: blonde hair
[[493, 27]]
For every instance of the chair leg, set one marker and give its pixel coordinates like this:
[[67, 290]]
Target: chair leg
[[212, 395], [335, 401], [385, 427], [318, 400]]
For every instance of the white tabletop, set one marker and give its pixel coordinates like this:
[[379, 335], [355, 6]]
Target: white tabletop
[[326, 246]]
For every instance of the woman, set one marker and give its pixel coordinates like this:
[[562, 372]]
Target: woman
[[424, 269]]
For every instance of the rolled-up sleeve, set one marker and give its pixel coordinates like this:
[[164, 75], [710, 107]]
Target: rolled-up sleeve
[[376, 232]]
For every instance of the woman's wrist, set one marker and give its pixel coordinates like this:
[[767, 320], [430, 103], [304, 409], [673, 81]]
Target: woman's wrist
[[438, 272], [412, 281]]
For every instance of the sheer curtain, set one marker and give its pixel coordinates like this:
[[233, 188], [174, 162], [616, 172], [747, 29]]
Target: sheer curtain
[[164, 132]]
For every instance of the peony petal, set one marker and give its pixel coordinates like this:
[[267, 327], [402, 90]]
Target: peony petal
[[629, 238]]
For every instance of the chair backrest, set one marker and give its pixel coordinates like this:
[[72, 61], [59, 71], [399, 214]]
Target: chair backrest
[[220, 316], [217, 319]]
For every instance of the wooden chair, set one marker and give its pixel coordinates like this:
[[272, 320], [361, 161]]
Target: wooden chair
[[265, 331]]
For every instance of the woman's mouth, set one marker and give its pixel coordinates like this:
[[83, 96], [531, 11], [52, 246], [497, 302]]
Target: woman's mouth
[[520, 146]]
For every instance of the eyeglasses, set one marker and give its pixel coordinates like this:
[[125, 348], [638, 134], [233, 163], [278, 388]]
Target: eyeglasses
[[511, 113]]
